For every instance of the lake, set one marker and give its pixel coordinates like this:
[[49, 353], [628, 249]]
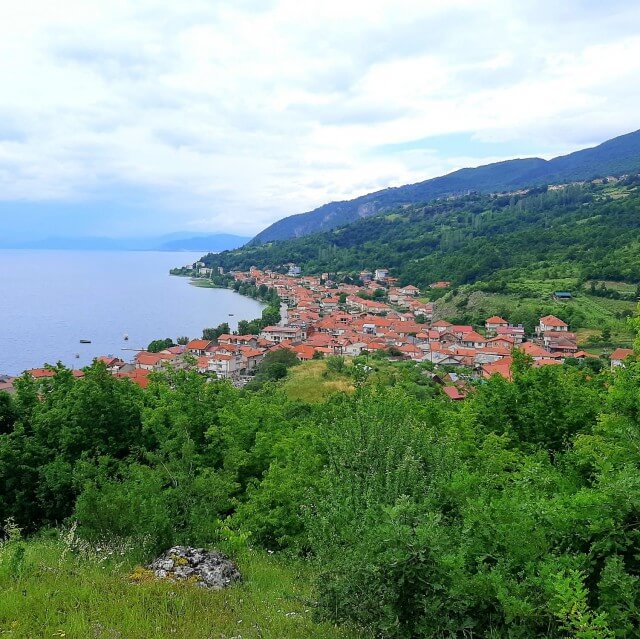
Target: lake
[[50, 300]]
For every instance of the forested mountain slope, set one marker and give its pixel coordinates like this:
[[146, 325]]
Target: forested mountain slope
[[586, 231], [614, 157]]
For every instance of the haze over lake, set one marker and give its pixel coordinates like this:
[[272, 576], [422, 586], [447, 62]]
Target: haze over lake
[[50, 300]]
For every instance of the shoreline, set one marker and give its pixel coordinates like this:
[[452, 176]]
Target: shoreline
[[106, 335]]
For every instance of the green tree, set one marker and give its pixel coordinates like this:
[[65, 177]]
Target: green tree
[[158, 345], [270, 316], [336, 364], [273, 367], [8, 413], [212, 334]]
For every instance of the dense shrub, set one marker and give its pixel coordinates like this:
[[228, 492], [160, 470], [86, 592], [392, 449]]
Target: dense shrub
[[512, 515]]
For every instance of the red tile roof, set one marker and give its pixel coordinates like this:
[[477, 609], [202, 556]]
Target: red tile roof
[[138, 376], [472, 336], [496, 320], [552, 320], [501, 367], [151, 359], [198, 344], [40, 372], [534, 350], [453, 393], [621, 353]]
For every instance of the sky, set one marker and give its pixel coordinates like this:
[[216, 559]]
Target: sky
[[140, 117]]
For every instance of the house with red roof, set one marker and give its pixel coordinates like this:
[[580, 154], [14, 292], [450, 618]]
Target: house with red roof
[[465, 355], [503, 341], [410, 291], [441, 326], [514, 332], [277, 334], [152, 361], [225, 366], [113, 364], [495, 322], [550, 323], [618, 357], [138, 376], [490, 354], [411, 351], [304, 352], [454, 393], [198, 347], [238, 340], [502, 367], [560, 342], [536, 352], [40, 373], [251, 357], [6, 384], [472, 339], [366, 306], [584, 355]]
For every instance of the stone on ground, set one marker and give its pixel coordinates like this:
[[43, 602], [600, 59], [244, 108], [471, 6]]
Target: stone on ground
[[207, 569]]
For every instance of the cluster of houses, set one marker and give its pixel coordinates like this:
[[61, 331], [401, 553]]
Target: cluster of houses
[[325, 318]]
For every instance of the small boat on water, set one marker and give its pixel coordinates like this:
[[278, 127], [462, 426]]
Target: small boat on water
[[85, 341], [77, 355], [230, 314], [125, 337]]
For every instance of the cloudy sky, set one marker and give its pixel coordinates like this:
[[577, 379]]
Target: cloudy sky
[[126, 117]]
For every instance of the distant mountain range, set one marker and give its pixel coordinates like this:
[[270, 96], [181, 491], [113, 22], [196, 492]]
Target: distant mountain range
[[211, 243], [571, 234], [614, 157]]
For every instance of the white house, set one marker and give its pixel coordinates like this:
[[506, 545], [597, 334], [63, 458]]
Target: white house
[[550, 323], [619, 355], [381, 274], [495, 322], [277, 334]]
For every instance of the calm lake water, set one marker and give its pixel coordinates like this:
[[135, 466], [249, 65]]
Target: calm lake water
[[50, 300]]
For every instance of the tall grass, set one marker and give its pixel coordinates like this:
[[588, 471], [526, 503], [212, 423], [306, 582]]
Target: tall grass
[[312, 382], [53, 588]]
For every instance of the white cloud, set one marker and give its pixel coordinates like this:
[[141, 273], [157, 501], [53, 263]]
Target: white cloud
[[231, 115]]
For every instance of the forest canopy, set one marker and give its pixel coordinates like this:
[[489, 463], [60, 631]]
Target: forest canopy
[[586, 231]]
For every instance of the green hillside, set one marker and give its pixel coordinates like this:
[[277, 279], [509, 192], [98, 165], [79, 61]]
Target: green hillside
[[583, 231], [512, 252], [614, 157]]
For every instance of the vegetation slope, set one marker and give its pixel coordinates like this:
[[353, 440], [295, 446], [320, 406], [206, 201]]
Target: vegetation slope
[[503, 254], [511, 515], [614, 157]]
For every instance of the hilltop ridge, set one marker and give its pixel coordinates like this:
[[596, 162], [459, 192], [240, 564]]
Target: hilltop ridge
[[613, 157]]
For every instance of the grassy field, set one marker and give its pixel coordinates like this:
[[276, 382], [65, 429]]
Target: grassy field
[[592, 313], [313, 382], [50, 592]]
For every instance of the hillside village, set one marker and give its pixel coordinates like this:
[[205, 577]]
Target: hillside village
[[322, 318]]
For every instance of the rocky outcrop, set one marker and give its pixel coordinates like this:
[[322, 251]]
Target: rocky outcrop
[[207, 569]]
